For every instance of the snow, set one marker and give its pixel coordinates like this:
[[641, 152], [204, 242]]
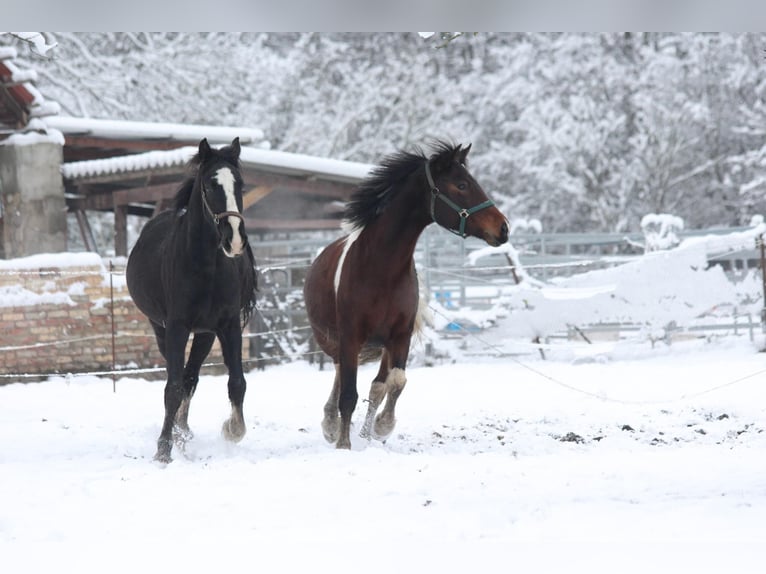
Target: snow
[[269, 160], [8, 53], [127, 163], [660, 291], [159, 130], [650, 462], [34, 138], [614, 456], [42, 260]]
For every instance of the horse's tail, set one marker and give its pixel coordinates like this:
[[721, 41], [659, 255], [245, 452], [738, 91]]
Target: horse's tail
[[423, 318]]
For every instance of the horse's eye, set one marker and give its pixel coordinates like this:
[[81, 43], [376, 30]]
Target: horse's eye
[[462, 186]]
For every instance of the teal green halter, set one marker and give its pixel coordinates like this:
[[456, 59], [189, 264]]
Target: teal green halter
[[462, 212]]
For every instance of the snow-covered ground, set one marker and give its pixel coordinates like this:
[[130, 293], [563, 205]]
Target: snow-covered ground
[[647, 460]]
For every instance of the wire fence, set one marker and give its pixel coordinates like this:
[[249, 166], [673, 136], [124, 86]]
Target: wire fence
[[279, 332]]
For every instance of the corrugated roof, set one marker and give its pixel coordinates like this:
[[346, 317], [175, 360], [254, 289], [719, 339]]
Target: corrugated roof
[[267, 160]]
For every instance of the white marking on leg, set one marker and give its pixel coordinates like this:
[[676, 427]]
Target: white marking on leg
[[225, 179], [386, 420], [353, 236]]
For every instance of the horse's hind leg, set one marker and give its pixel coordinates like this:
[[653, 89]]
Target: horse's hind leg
[[386, 420], [377, 394], [330, 422], [395, 382], [231, 345], [347, 397], [200, 349]]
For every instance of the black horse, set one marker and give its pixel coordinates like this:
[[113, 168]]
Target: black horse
[[192, 271]]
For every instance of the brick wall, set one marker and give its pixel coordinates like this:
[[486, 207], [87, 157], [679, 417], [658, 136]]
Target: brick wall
[[56, 318]]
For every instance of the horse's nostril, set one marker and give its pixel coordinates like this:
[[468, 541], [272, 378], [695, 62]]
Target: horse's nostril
[[504, 231]]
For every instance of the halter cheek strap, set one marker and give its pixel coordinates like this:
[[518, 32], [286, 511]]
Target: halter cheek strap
[[462, 212], [218, 216]]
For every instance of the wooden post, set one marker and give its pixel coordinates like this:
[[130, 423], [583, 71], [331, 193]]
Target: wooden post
[[121, 230], [111, 307], [763, 281]]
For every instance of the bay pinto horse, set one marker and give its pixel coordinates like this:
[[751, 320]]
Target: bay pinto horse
[[361, 292], [192, 271]]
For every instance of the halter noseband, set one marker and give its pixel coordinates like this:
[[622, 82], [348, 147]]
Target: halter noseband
[[462, 212]]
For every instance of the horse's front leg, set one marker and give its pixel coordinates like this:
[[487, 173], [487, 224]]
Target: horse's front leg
[[349, 361], [200, 349], [230, 336], [176, 336]]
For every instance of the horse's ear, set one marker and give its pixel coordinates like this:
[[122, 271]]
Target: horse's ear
[[204, 149], [463, 153], [235, 148]]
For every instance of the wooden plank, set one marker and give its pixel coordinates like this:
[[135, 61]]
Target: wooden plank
[[254, 195], [261, 224], [121, 230], [150, 193]]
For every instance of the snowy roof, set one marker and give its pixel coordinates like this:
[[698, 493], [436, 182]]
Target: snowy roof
[[23, 108], [123, 129], [266, 160]]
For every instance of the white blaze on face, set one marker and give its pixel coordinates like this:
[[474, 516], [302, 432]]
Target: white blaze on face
[[353, 236], [225, 179]]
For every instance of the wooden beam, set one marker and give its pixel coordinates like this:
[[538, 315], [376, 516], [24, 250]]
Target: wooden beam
[[176, 171], [259, 224], [321, 188], [86, 231], [121, 230], [255, 194], [150, 193]]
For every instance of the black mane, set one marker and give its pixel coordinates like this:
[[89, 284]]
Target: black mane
[[372, 196]]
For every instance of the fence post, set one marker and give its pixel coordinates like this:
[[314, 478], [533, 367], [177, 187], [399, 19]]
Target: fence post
[[111, 312], [763, 281]]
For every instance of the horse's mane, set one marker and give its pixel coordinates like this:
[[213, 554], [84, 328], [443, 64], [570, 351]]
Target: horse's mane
[[248, 284], [372, 196], [184, 193]]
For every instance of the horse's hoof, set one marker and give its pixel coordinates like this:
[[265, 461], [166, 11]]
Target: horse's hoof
[[163, 452], [233, 431], [343, 444], [163, 458], [331, 430], [383, 428]]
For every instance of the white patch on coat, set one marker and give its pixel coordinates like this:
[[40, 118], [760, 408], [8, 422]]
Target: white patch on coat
[[350, 238], [225, 179]]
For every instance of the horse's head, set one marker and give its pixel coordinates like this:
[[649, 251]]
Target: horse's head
[[458, 203], [221, 186]]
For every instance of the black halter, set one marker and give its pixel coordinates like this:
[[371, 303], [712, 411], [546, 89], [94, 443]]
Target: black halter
[[462, 212], [220, 215]]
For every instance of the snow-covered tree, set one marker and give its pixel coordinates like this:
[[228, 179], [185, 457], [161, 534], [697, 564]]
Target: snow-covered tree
[[581, 131]]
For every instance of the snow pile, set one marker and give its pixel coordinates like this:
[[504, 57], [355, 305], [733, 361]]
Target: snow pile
[[660, 230], [664, 289]]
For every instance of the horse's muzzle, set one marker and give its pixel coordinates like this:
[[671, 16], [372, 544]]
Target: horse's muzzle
[[232, 241], [498, 238]]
